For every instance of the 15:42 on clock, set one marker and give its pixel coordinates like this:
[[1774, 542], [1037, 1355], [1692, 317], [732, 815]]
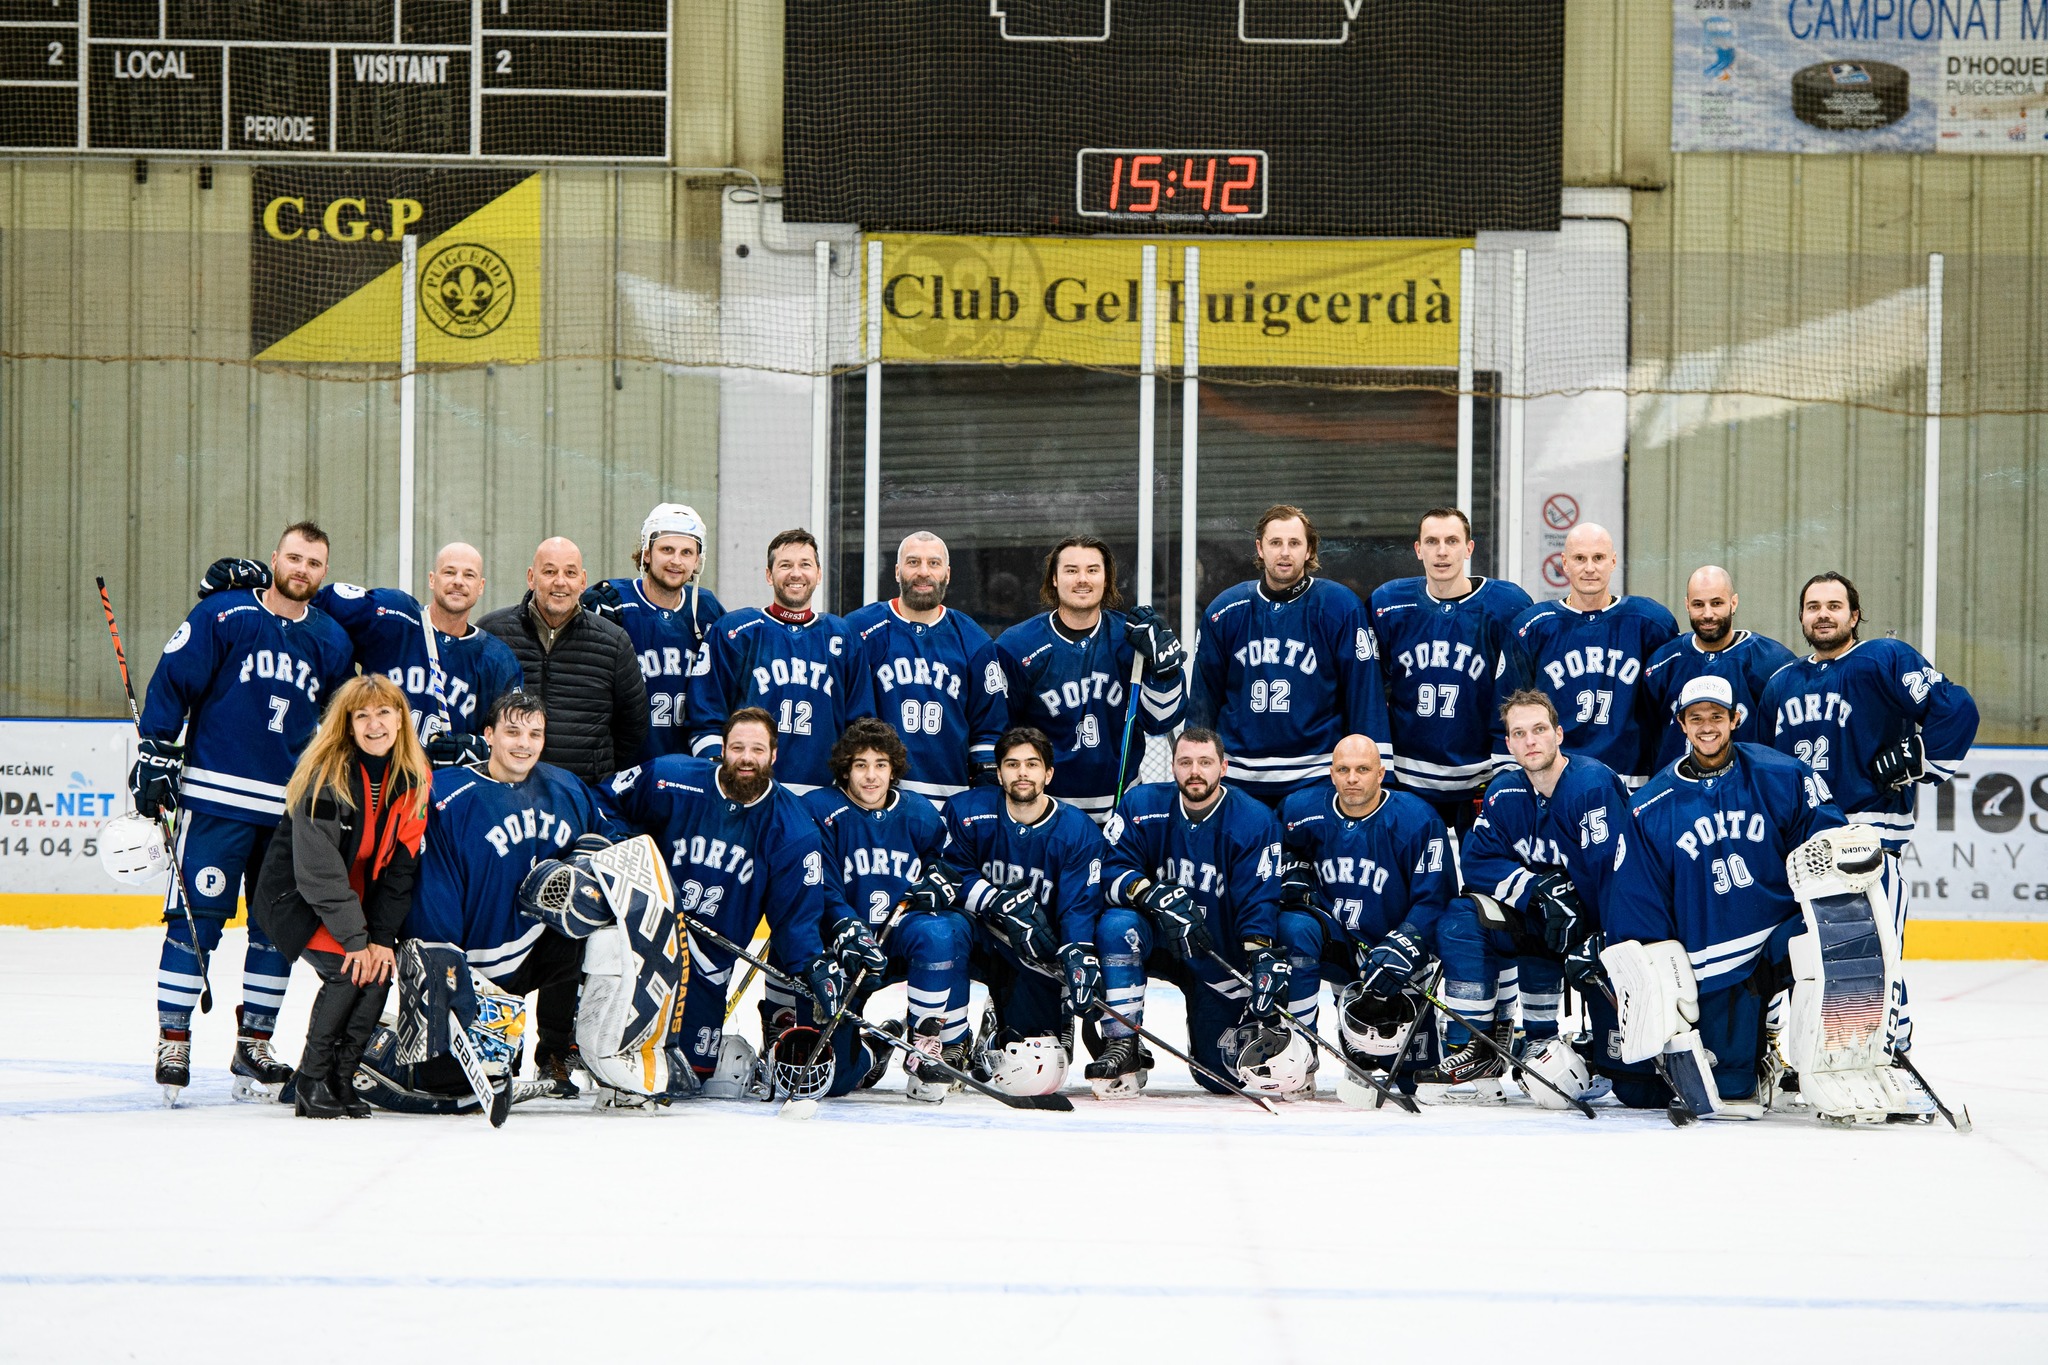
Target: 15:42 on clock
[[1208, 185]]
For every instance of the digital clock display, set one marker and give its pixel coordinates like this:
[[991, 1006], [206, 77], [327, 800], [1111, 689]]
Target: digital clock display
[[1205, 185]]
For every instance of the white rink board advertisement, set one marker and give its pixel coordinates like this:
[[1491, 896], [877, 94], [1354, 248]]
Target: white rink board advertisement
[[60, 780], [1980, 843], [1859, 76]]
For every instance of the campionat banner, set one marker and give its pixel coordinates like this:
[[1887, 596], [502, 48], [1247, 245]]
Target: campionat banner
[[326, 253], [1859, 76], [1077, 301]]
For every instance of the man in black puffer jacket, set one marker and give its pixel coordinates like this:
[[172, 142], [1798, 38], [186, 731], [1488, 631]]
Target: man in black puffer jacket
[[584, 668], [580, 664]]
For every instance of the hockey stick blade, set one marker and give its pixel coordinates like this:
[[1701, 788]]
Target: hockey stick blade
[[1959, 1118], [790, 983], [494, 1104]]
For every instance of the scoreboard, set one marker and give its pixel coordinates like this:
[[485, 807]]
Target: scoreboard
[[527, 79], [1394, 118]]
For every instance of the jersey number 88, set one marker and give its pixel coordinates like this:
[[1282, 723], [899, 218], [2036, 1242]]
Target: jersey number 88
[[923, 718]]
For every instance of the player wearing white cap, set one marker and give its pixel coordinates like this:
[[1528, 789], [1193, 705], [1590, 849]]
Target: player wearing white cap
[[667, 615]]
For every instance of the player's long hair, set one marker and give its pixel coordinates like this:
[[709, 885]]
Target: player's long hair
[[326, 764], [1048, 587]]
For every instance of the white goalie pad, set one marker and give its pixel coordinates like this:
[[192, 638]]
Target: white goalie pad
[[1655, 994], [634, 972], [1845, 982]]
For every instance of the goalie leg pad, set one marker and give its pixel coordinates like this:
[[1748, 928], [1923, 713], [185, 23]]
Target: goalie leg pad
[[433, 981], [634, 973], [1845, 1004], [1659, 998]]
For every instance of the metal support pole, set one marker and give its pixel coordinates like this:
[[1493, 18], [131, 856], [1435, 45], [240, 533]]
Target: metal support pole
[[1148, 345], [1930, 502], [1518, 317], [408, 365], [821, 418], [1466, 261], [871, 475], [1190, 400]]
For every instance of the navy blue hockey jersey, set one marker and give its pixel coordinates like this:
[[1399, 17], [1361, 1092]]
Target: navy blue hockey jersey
[[483, 837], [1582, 829], [247, 688], [1708, 867], [807, 676], [384, 625], [732, 864], [1228, 861], [1590, 664], [1077, 692], [670, 646], [1282, 682], [872, 856], [1443, 662], [941, 686], [1376, 871], [1835, 714], [1747, 662], [1058, 859]]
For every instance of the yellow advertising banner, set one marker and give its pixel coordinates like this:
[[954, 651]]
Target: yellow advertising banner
[[1075, 301]]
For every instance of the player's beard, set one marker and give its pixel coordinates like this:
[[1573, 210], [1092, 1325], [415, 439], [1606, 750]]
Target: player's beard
[[1824, 642], [923, 597], [1713, 629], [296, 588], [742, 784], [1195, 790]]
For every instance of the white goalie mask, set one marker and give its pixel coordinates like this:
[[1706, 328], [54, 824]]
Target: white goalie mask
[[1271, 1059], [1029, 1066], [132, 850]]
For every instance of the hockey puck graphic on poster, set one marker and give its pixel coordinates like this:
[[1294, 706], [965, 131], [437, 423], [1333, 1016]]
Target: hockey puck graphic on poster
[[1850, 96]]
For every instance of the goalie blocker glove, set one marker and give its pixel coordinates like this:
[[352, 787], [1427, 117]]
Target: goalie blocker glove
[[154, 778]]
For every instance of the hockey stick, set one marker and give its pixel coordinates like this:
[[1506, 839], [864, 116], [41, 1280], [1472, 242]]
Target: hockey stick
[[1407, 1039], [1234, 1087], [1316, 1039], [1123, 758], [1962, 1125], [170, 837], [759, 945], [860, 979], [437, 684], [494, 1104], [791, 984], [1505, 1056]]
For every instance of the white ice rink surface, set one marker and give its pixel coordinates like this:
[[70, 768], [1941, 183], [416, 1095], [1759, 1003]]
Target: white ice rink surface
[[1176, 1228]]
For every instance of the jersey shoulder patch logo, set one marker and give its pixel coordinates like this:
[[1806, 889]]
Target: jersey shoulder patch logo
[[178, 637], [349, 590], [625, 780], [992, 680], [1113, 828]]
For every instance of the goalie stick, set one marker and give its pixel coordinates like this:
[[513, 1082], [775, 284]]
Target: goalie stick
[[493, 1103], [1961, 1124], [1400, 1100], [790, 983], [170, 835]]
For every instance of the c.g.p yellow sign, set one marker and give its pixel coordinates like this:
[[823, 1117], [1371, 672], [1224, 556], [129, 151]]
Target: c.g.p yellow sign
[[1263, 303]]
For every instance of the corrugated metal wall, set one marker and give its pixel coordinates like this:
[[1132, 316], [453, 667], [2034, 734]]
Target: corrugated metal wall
[[145, 471]]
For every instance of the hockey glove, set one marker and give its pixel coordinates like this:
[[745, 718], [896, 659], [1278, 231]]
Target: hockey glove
[[602, 599], [1148, 634], [1298, 889], [1392, 963], [1900, 764], [154, 778], [1018, 918], [828, 987], [587, 844], [449, 750], [223, 574], [938, 889], [1178, 918], [983, 775], [1582, 965], [1082, 976], [855, 949], [1554, 903], [1270, 976]]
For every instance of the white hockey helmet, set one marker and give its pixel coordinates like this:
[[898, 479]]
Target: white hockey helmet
[[1556, 1061], [1271, 1059], [671, 519], [1029, 1066], [132, 849], [1371, 1027], [734, 1072]]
